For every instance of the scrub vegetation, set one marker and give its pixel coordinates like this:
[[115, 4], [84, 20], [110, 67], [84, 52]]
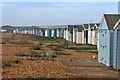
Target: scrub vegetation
[[35, 57]]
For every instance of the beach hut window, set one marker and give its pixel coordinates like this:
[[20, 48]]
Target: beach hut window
[[103, 35], [105, 46], [105, 32]]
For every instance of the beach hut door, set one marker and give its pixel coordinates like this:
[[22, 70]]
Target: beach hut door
[[118, 49]]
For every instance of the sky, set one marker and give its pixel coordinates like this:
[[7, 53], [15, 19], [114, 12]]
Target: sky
[[55, 13]]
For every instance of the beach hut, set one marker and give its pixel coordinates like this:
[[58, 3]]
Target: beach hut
[[33, 31], [90, 28], [79, 34], [54, 33], [22, 31], [105, 52], [29, 30], [64, 33], [46, 32], [14, 31], [83, 39], [83, 34], [41, 32], [66, 30], [61, 33], [58, 32], [17, 31], [85, 31], [49, 32], [70, 33], [75, 33], [26, 31], [95, 34], [36, 31], [116, 46]]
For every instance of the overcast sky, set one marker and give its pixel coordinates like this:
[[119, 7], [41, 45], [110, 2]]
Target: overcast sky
[[55, 13]]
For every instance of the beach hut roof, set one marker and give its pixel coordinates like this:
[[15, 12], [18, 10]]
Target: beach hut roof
[[111, 20], [85, 26], [80, 28], [118, 23], [92, 25], [96, 27], [98, 24]]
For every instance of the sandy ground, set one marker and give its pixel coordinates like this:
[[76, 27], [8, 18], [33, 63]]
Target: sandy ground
[[27, 68]]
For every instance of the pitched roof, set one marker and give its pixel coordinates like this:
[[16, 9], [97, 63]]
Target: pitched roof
[[111, 20], [85, 26], [98, 24], [92, 25], [80, 28], [70, 27], [117, 24]]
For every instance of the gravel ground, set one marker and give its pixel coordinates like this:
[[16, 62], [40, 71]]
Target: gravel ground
[[22, 67]]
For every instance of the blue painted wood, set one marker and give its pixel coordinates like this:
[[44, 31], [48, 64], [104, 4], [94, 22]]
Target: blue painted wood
[[48, 33], [61, 32], [116, 48], [105, 45], [55, 33], [41, 33], [75, 36], [111, 48]]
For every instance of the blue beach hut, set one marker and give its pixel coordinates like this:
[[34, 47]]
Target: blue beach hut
[[61, 33], [116, 46], [105, 51]]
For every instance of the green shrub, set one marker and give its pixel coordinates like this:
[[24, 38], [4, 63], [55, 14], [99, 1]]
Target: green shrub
[[61, 53], [47, 46], [36, 48], [20, 43], [22, 54], [3, 43], [64, 45]]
